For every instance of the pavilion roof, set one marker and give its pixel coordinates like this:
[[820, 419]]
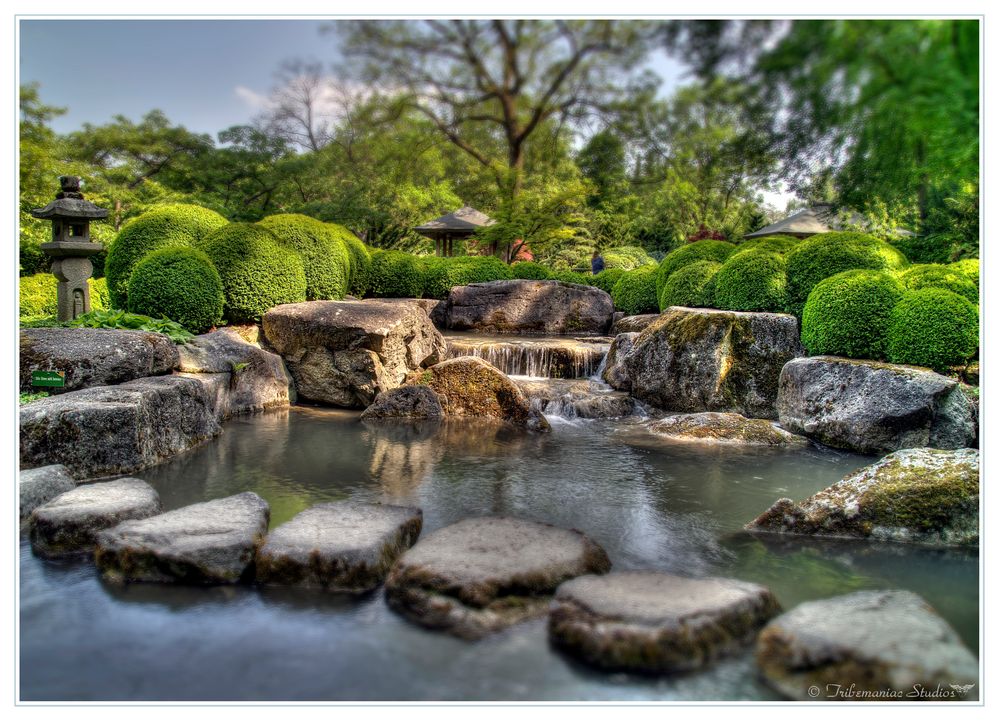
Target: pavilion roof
[[464, 221]]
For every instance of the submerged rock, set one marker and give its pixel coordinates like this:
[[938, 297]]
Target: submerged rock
[[725, 428], [656, 622], [70, 522], [866, 646], [338, 546], [633, 323], [701, 359], [874, 407], [118, 429], [536, 357], [94, 356], [615, 372], [482, 575], [529, 306], [416, 402], [471, 387], [918, 495], [210, 542], [40, 485], [577, 398]]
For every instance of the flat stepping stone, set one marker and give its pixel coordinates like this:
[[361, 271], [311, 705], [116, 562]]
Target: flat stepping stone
[[38, 486], [870, 642], [725, 428], [210, 542], [338, 546], [482, 575], [70, 522], [656, 622]]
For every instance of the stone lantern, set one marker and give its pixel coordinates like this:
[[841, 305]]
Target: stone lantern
[[71, 246]]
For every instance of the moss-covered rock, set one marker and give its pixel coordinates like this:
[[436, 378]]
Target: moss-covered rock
[[635, 292], [180, 284], [752, 281], [324, 254], [716, 251], [933, 327], [726, 428], [935, 275], [692, 286]]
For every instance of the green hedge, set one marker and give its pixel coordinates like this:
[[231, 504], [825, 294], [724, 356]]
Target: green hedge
[[933, 327], [605, 280], [755, 280], [180, 284], [827, 254], [395, 274], [692, 286], [165, 226], [627, 257], [529, 270], [37, 295], [258, 272], [360, 260], [849, 314], [782, 244], [323, 252], [714, 250], [571, 276], [933, 275], [968, 266], [635, 292], [443, 274]]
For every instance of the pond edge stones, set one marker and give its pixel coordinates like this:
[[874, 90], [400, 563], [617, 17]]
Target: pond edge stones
[[209, 542], [37, 486], [481, 575], [651, 622], [865, 642], [342, 546]]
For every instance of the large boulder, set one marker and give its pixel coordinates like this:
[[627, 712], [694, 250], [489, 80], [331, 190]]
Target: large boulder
[[725, 428], [416, 402], [469, 386], [656, 622], [339, 546], [615, 373], [70, 522], [243, 377], [919, 495], [344, 353], [633, 323], [40, 485], [701, 359], [529, 306], [873, 407], [117, 429], [866, 646], [94, 356], [210, 542], [481, 575]]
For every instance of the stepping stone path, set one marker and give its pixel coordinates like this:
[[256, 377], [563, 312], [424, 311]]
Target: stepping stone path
[[41, 485], [339, 546], [482, 575], [70, 522], [211, 542], [888, 643], [656, 622]]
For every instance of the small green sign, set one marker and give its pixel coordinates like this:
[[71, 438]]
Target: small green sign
[[48, 379]]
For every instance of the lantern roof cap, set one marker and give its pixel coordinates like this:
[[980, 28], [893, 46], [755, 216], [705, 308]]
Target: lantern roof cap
[[69, 203]]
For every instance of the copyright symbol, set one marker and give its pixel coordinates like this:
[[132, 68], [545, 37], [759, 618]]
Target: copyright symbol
[[814, 691]]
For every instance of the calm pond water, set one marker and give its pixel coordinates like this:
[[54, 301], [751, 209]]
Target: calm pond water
[[651, 505]]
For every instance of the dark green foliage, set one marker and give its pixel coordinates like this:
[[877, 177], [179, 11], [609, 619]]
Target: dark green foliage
[[395, 274], [968, 266], [162, 227], [692, 286], [257, 271], [323, 252], [849, 314], [530, 271], [714, 250], [126, 321], [939, 276], [605, 280], [782, 244], [922, 248], [443, 274], [33, 260], [571, 276], [360, 260], [827, 254], [755, 280], [635, 292], [180, 284], [933, 327]]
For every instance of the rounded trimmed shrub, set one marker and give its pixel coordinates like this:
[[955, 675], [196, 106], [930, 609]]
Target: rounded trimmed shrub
[[752, 281], [627, 257], [782, 244], [395, 274], [635, 292], [166, 226], [360, 260], [849, 314], [605, 280], [826, 254], [933, 275], [529, 270], [37, 297], [443, 274], [571, 276], [258, 272], [934, 328], [180, 284], [714, 250], [968, 266], [692, 286], [323, 252]]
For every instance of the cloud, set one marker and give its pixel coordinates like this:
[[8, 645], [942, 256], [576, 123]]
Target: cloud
[[254, 100]]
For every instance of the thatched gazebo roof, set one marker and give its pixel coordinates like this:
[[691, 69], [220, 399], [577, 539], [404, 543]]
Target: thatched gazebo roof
[[459, 224]]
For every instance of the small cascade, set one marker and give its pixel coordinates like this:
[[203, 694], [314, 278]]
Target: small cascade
[[569, 399], [534, 357]]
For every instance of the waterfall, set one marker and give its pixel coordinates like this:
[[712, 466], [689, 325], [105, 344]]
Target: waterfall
[[570, 399], [535, 357]]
